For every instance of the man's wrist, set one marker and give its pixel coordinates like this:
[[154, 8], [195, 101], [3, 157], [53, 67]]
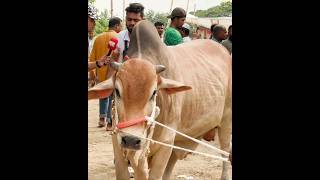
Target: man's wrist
[[97, 64]]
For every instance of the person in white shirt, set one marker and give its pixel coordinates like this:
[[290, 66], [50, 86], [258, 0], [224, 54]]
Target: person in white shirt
[[91, 39], [134, 14], [160, 28], [185, 31], [92, 17]]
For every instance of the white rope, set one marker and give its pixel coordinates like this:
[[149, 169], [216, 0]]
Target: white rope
[[183, 149], [151, 122], [186, 136], [154, 114]]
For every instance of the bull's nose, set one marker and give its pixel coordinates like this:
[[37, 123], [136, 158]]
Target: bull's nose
[[130, 142]]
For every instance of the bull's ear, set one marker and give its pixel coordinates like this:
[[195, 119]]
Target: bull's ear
[[101, 90], [171, 86]]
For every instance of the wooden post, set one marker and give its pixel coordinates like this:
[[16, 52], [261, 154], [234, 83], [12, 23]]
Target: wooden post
[[123, 6], [111, 11], [171, 6], [187, 7], [194, 10]]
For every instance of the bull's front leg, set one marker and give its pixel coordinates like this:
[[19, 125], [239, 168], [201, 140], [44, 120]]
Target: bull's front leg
[[140, 166], [159, 160], [121, 165], [159, 163]]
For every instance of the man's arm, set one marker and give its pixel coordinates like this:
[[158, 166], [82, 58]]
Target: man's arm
[[92, 59], [91, 65], [104, 61]]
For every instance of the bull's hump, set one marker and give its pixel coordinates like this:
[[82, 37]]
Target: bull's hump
[[145, 41]]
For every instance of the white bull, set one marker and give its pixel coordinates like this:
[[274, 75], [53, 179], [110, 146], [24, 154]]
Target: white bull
[[203, 65]]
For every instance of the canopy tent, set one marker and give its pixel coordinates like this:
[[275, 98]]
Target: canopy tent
[[207, 22]]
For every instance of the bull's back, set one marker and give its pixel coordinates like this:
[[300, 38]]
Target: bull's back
[[206, 66]]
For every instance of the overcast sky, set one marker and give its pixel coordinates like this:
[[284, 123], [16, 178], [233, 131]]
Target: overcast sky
[[156, 5]]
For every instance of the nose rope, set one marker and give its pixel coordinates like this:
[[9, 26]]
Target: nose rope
[[154, 114], [150, 124]]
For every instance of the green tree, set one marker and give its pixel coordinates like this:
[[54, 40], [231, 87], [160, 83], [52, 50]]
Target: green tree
[[154, 17], [102, 23], [222, 10], [91, 1]]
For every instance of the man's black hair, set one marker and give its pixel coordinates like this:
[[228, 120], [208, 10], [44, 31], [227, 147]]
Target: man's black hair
[[114, 21], [229, 28], [176, 17], [136, 8], [217, 28], [212, 26], [158, 23], [185, 30]]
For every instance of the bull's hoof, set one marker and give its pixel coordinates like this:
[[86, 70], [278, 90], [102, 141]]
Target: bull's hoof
[[131, 172]]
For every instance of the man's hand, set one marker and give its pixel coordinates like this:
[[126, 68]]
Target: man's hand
[[91, 79], [104, 60], [91, 83], [107, 60]]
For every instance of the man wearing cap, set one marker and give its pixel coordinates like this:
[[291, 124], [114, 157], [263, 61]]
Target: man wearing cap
[[92, 17], [172, 36], [185, 31]]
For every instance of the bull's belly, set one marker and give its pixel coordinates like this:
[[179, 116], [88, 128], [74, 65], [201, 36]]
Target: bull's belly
[[199, 129], [196, 123]]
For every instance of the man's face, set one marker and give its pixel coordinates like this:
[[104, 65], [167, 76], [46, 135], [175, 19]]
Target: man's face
[[91, 34], [180, 22], [132, 19], [118, 28], [222, 34], [91, 24], [160, 30]]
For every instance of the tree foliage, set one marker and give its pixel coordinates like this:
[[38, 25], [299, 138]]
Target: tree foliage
[[222, 10], [154, 17], [91, 1], [102, 23]]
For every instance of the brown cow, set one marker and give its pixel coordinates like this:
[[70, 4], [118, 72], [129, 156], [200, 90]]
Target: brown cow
[[201, 64]]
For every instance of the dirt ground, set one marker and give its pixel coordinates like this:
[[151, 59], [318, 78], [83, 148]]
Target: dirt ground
[[100, 156]]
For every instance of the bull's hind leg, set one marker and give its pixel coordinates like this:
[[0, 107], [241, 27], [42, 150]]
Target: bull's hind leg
[[224, 132], [159, 162]]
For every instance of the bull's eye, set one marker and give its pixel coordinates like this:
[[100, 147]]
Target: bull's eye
[[153, 94], [117, 93]]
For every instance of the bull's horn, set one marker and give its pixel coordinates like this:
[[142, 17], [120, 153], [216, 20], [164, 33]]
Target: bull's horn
[[159, 68], [115, 65]]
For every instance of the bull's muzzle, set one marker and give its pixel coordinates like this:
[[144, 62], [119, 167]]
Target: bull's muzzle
[[131, 142]]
